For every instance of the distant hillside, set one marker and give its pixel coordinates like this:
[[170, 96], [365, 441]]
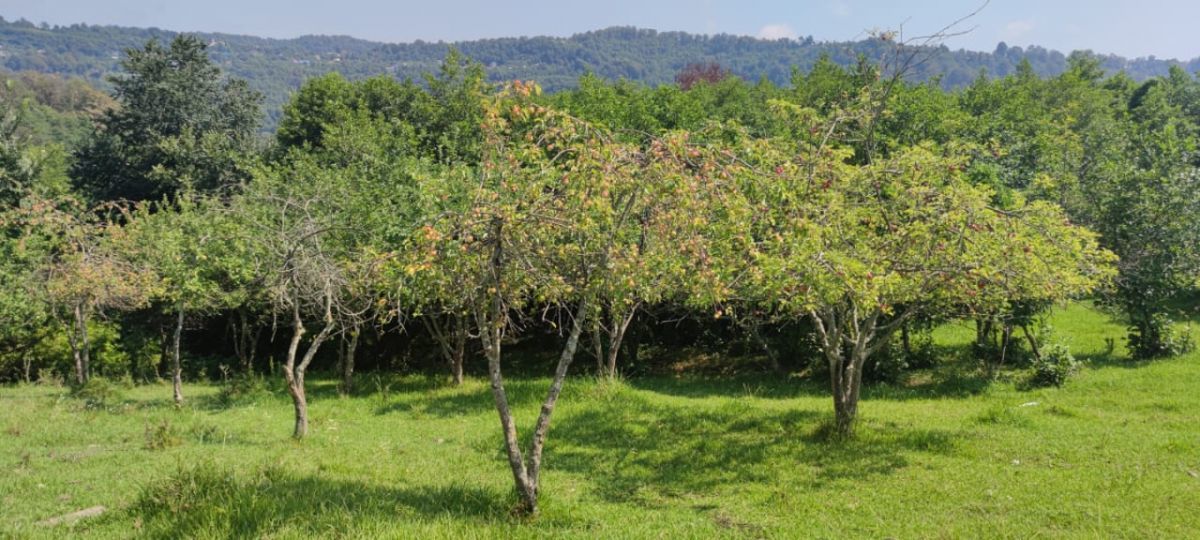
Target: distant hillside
[[278, 66]]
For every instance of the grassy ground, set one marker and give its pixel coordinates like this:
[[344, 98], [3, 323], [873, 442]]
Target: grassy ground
[[1116, 453]]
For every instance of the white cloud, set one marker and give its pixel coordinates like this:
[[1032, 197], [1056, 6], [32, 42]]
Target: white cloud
[[1017, 29], [841, 9], [777, 31]]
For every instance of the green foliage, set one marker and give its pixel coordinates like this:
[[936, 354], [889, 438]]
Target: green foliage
[[1159, 337], [243, 389], [98, 392], [180, 124], [162, 435], [1054, 366]]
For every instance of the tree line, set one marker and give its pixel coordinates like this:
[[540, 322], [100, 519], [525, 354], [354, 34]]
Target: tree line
[[828, 222]]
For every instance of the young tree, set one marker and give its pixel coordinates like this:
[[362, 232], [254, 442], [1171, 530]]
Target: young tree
[[860, 250], [81, 267], [192, 249]]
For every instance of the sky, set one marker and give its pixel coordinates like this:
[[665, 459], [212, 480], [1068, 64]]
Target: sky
[[1161, 28]]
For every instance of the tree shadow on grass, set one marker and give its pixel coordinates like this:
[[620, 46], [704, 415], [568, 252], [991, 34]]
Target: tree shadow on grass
[[955, 377], [206, 501], [474, 399], [635, 450]]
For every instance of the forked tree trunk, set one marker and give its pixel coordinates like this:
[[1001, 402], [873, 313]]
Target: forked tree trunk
[[176, 364], [618, 324], [1033, 344], [452, 341], [848, 338], [526, 471], [492, 321], [293, 372]]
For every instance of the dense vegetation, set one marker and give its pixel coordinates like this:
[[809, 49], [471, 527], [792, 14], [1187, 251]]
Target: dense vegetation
[[819, 229], [276, 67]]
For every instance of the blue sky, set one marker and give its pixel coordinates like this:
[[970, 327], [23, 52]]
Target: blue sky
[[1163, 28]]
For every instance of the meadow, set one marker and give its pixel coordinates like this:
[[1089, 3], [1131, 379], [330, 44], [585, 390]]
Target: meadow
[[945, 454]]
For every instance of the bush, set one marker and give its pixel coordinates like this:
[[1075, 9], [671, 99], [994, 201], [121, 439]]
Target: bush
[[97, 392], [162, 435], [1055, 366], [1156, 337], [243, 389]]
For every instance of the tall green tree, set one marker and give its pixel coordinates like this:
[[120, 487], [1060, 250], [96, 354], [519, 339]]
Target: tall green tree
[[179, 122]]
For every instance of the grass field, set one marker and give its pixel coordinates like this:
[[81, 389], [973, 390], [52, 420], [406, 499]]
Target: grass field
[[1115, 453]]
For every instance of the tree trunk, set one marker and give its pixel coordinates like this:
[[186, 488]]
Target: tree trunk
[[462, 333], [348, 363], [772, 358], [295, 381], [598, 348], [452, 341], [542, 428], [176, 365], [847, 339], [293, 373], [526, 474], [1033, 346], [73, 341], [78, 339], [618, 325], [164, 350], [491, 332]]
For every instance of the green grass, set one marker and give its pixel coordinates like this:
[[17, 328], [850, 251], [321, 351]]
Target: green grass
[[1115, 453]]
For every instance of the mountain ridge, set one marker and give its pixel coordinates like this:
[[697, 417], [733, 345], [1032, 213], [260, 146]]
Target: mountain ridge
[[277, 66]]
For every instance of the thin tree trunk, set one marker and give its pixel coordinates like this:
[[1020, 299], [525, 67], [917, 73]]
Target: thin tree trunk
[[164, 350], [254, 351], [295, 381], [619, 323], [73, 341], [461, 334], [598, 348], [80, 346], [491, 320], [176, 364], [1033, 346], [491, 331], [451, 342], [542, 428], [348, 363], [294, 373]]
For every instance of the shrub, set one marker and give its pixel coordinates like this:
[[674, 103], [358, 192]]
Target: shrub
[[243, 389], [97, 392], [1157, 338], [162, 435], [1054, 367], [49, 377]]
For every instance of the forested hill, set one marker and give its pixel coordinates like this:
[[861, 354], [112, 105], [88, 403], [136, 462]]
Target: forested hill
[[277, 66]]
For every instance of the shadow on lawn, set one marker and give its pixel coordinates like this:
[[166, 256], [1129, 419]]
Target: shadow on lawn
[[630, 446], [206, 501], [447, 401]]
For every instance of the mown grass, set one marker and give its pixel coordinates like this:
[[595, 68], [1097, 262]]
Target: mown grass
[[1115, 453]]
